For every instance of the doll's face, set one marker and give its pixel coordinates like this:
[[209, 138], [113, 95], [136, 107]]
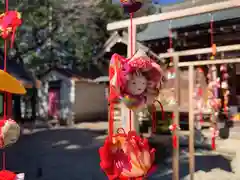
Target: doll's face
[[136, 84]]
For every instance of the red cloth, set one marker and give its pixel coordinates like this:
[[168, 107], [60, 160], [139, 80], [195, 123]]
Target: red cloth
[[117, 160], [7, 175]]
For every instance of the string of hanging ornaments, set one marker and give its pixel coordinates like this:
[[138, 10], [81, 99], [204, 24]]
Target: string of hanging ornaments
[[213, 88], [9, 129], [198, 94], [171, 76], [135, 82]]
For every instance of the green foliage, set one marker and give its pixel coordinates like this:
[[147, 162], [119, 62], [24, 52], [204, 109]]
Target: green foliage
[[67, 32]]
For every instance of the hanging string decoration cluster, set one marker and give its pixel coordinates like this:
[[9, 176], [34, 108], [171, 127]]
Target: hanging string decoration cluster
[[134, 81], [9, 129], [213, 88], [171, 76]]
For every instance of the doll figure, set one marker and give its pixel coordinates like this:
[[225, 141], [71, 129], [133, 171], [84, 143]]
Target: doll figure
[[137, 84]]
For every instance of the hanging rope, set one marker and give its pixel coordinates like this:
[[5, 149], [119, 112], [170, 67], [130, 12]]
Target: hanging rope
[[170, 33], [5, 93], [131, 53], [154, 115]]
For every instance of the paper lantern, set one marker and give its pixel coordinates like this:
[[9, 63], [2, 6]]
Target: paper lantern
[[9, 132], [136, 81], [126, 156]]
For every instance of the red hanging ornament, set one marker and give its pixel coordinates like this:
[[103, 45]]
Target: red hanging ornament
[[174, 128], [7, 175], [9, 132], [131, 6], [9, 22], [213, 138], [126, 156]]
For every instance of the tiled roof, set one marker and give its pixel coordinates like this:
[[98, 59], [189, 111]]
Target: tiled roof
[[91, 73], [159, 30]]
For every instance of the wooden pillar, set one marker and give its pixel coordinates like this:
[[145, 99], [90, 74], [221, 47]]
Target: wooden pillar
[[191, 122], [124, 110], [175, 163]]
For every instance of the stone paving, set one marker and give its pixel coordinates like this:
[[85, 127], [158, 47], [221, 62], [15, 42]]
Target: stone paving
[[72, 154]]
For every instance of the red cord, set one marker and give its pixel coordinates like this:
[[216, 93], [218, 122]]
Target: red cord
[[154, 115], [131, 52], [170, 42], [131, 34], [5, 93], [212, 42], [111, 110], [154, 118], [211, 32]]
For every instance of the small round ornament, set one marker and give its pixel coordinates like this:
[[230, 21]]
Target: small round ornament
[[130, 6], [9, 132], [126, 156]]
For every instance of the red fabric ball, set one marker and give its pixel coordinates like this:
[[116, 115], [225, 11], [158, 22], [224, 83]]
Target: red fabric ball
[[7, 175]]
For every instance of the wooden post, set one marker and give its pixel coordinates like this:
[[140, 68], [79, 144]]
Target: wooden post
[[175, 163], [124, 110], [191, 122]]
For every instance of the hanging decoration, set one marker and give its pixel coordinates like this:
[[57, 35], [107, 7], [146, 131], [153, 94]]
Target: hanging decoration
[[172, 76], [8, 175], [9, 130], [9, 22], [225, 88], [198, 94], [137, 80], [174, 128], [130, 6], [126, 155], [214, 133], [213, 87]]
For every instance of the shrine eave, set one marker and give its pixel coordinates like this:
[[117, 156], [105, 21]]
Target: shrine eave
[[159, 30]]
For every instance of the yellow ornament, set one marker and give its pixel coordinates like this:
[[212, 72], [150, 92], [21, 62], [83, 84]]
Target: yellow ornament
[[212, 57], [10, 84]]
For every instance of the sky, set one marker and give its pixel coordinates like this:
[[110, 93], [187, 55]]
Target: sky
[[161, 2]]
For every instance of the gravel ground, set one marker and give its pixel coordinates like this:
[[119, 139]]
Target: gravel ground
[[72, 154]]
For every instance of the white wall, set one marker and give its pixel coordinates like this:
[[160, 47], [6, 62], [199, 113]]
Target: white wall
[[65, 103], [90, 101]]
